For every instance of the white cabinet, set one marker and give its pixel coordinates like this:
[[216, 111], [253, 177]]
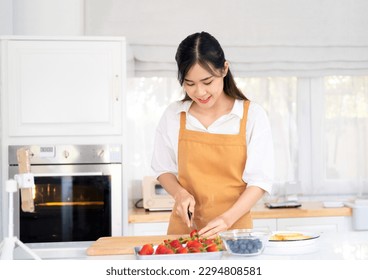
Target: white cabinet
[[315, 224], [265, 224], [60, 86], [148, 228], [161, 228]]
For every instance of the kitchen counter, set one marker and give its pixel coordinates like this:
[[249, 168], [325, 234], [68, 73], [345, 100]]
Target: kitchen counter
[[308, 209], [352, 245]]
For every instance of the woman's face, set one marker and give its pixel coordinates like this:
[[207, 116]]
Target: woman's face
[[203, 87]]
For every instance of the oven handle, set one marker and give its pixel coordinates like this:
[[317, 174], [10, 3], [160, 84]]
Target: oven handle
[[67, 174]]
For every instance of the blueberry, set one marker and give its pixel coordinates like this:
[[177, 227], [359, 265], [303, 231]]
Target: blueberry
[[250, 246]]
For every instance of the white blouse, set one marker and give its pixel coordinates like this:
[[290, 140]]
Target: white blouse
[[259, 167]]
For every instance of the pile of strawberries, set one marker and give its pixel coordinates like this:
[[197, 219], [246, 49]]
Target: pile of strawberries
[[184, 245]]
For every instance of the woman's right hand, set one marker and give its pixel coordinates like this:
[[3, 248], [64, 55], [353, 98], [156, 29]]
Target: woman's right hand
[[184, 202]]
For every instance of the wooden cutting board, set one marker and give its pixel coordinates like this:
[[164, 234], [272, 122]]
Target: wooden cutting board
[[124, 245]]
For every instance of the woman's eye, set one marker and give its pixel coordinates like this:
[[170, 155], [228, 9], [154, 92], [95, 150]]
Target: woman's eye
[[208, 83]]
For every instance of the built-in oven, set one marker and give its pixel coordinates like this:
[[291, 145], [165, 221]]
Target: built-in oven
[[77, 194]]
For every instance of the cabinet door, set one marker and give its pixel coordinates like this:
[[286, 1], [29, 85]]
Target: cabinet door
[[148, 228], [64, 87], [316, 224], [264, 224]]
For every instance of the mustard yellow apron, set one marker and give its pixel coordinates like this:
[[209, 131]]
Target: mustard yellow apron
[[210, 167]]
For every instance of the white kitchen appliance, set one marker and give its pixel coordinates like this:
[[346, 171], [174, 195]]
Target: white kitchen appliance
[[155, 197], [77, 194], [360, 213]]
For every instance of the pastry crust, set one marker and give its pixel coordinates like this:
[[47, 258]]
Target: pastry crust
[[289, 236]]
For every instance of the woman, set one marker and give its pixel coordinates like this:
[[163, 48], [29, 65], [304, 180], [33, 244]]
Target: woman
[[213, 150]]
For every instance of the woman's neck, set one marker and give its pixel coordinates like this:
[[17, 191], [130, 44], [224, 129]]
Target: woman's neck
[[207, 116]]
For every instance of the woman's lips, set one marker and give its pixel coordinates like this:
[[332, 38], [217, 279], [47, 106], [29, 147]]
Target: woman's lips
[[204, 101]]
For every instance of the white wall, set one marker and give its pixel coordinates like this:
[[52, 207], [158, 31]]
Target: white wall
[[48, 17], [234, 22], [6, 17], [260, 37]]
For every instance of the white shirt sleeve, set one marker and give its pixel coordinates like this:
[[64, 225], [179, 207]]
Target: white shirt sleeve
[[164, 159], [259, 169]]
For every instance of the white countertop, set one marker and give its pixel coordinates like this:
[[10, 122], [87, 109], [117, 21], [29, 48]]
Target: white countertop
[[352, 245]]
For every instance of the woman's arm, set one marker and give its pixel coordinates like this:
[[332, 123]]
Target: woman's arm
[[183, 199]]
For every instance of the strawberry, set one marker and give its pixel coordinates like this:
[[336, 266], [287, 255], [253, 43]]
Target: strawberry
[[169, 251], [161, 249], [217, 240], [182, 250], [208, 241], [212, 248], [147, 249], [194, 234], [194, 244], [194, 250], [183, 240], [175, 244]]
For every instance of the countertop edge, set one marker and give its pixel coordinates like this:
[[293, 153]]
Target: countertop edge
[[308, 209]]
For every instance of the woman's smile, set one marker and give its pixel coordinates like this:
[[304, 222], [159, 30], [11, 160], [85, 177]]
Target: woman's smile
[[205, 100]]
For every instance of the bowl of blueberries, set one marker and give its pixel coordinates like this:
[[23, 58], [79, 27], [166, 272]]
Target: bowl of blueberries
[[244, 242]]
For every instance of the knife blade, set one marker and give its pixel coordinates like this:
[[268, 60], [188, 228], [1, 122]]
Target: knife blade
[[192, 222]]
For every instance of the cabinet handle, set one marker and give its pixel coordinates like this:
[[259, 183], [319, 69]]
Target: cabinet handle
[[116, 87]]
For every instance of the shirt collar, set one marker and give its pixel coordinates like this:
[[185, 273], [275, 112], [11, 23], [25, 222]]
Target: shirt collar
[[183, 106], [237, 108]]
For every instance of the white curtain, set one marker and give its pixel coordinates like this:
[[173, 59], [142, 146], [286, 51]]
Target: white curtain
[[345, 137], [277, 95], [261, 61]]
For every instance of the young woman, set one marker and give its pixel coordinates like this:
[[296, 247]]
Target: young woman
[[213, 150]]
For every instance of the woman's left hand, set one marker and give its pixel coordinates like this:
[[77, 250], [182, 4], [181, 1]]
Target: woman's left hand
[[214, 227]]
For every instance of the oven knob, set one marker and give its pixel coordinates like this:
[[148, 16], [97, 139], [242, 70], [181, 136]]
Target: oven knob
[[101, 154], [66, 154]]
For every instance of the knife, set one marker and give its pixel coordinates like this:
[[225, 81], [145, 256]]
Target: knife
[[192, 223]]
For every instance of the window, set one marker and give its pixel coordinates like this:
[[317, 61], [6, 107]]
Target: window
[[278, 96], [319, 126], [342, 133]]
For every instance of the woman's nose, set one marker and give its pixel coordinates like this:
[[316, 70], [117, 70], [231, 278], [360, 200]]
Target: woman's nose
[[200, 90]]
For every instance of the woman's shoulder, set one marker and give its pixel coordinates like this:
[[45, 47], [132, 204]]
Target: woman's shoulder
[[176, 107], [256, 108], [171, 114], [257, 112]]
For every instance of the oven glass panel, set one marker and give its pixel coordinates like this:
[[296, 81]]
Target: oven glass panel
[[68, 208]]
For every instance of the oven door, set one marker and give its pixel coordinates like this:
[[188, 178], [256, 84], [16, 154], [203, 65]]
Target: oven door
[[72, 203]]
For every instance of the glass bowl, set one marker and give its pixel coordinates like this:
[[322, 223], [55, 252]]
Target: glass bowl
[[244, 242]]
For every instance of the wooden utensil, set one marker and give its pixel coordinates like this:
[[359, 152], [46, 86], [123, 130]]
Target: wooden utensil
[[124, 245]]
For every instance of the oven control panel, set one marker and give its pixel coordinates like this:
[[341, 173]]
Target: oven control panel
[[69, 154]]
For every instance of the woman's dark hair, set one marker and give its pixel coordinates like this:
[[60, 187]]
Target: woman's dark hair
[[204, 49]]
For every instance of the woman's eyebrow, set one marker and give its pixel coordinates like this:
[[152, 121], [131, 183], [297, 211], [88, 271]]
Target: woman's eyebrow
[[200, 80]]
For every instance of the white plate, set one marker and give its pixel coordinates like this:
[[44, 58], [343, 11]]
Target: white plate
[[293, 243], [188, 256], [293, 247]]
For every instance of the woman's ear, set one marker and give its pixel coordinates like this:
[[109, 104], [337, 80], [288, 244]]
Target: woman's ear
[[226, 69]]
